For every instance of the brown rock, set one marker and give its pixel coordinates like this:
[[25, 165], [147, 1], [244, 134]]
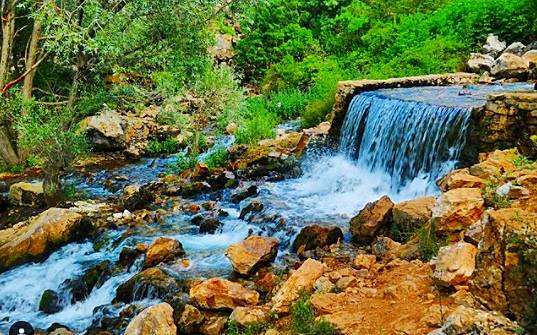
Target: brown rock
[[509, 66], [407, 216], [105, 131], [368, 222], [362, 261], [455, 264], [460, 179], [214, 325], [250, 254], [302, 279], [457, 209], [27, 194], [34, 239], [316, 236], [152, 282], [191, 319], [246, 316], [163, 250], [503, 277], [222, 294], [154, 320], [479, 62]]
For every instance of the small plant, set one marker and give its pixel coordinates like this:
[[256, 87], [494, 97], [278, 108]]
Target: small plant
[[428, 244], [258, 125], [233, 328], [303, 319], [523, 162], [183, 161], [492, 198], [167, 146], [217, 158], [72, 194]]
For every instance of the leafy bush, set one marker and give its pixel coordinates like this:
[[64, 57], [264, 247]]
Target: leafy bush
[[258, 124], [428, 243], [183, 161], [217, 158], [287, 104]]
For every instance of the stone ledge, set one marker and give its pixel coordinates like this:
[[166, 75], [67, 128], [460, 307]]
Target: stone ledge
[[346, 90]]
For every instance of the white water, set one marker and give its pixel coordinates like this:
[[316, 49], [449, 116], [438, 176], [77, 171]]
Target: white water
[[332, 189]]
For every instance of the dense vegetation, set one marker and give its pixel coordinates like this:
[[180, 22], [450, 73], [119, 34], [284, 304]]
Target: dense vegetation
[[64, 60]]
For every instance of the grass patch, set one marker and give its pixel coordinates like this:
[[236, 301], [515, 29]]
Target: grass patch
[[428, 242], [493, 199], [167, 146], [183, 161], [218, 158], [234, 328], [259, 123], [523, 162], [304, 322]]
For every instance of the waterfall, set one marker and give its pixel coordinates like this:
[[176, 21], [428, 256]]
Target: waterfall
[[403, 139]]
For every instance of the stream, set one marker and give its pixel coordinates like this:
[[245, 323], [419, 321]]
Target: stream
[[395, 142]]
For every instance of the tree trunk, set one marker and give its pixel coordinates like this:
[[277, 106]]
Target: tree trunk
[[31, 59], [52, 186], [8, 35], [7, 149]]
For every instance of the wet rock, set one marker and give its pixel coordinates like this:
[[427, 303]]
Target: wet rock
[[460, 179], [365, 226], [191, 320], [50, 302], [163, 250], [505, 270], [457, 209], [61, 331], [516, 48], [154, 320], [254, 206], [27, 194], [493, 46], [248, 255], [4, 203], [135, 197], [222, 294], [242, 194], [466, 320], [150, 283], [455, 264], [210, 225], [128, 256], [510, 66], [248, 316], [105, 131], [479, 63], [95, 277], [302, 280], [39, 236], [316, 236], [408, 216]]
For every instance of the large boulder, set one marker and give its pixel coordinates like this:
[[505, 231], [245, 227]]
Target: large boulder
[[105, 131], [365, 226], [27, 194], [460, 179], [81, 287], [466, 320], [493, 46], [510, 66], [250, 254], [457, 209], [479, 63], [506, 272], [516, 48], [302, 280], [50, 302], [454, 264], [316, 236], [530, 57], [407, 216], [37, 237], [222, 294], [154, 320], [163, 250], [150, 283]]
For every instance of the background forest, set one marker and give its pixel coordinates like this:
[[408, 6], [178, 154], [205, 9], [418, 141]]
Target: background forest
[[64, 60]]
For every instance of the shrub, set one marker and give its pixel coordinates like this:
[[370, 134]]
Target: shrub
[[183, 162], [428, 243], [217, 158], [258, 124], [287, 104], [167, 146]]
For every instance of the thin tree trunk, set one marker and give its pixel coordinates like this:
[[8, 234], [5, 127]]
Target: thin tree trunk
[[7, 149], [8, 35], [31, 59]]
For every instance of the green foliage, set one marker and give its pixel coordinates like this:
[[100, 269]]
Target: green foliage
[[217, 158], [523, 162], [492, 198], [287, 104], [167, 146], [234, 328], [183, 162], [71, 193], [258, 123], [303, 320], [428, 242]]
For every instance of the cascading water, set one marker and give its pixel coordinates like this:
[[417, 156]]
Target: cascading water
[[394, 142], [403, 139]]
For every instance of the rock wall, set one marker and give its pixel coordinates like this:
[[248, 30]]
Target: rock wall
[[507, 120], [348, 89]]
